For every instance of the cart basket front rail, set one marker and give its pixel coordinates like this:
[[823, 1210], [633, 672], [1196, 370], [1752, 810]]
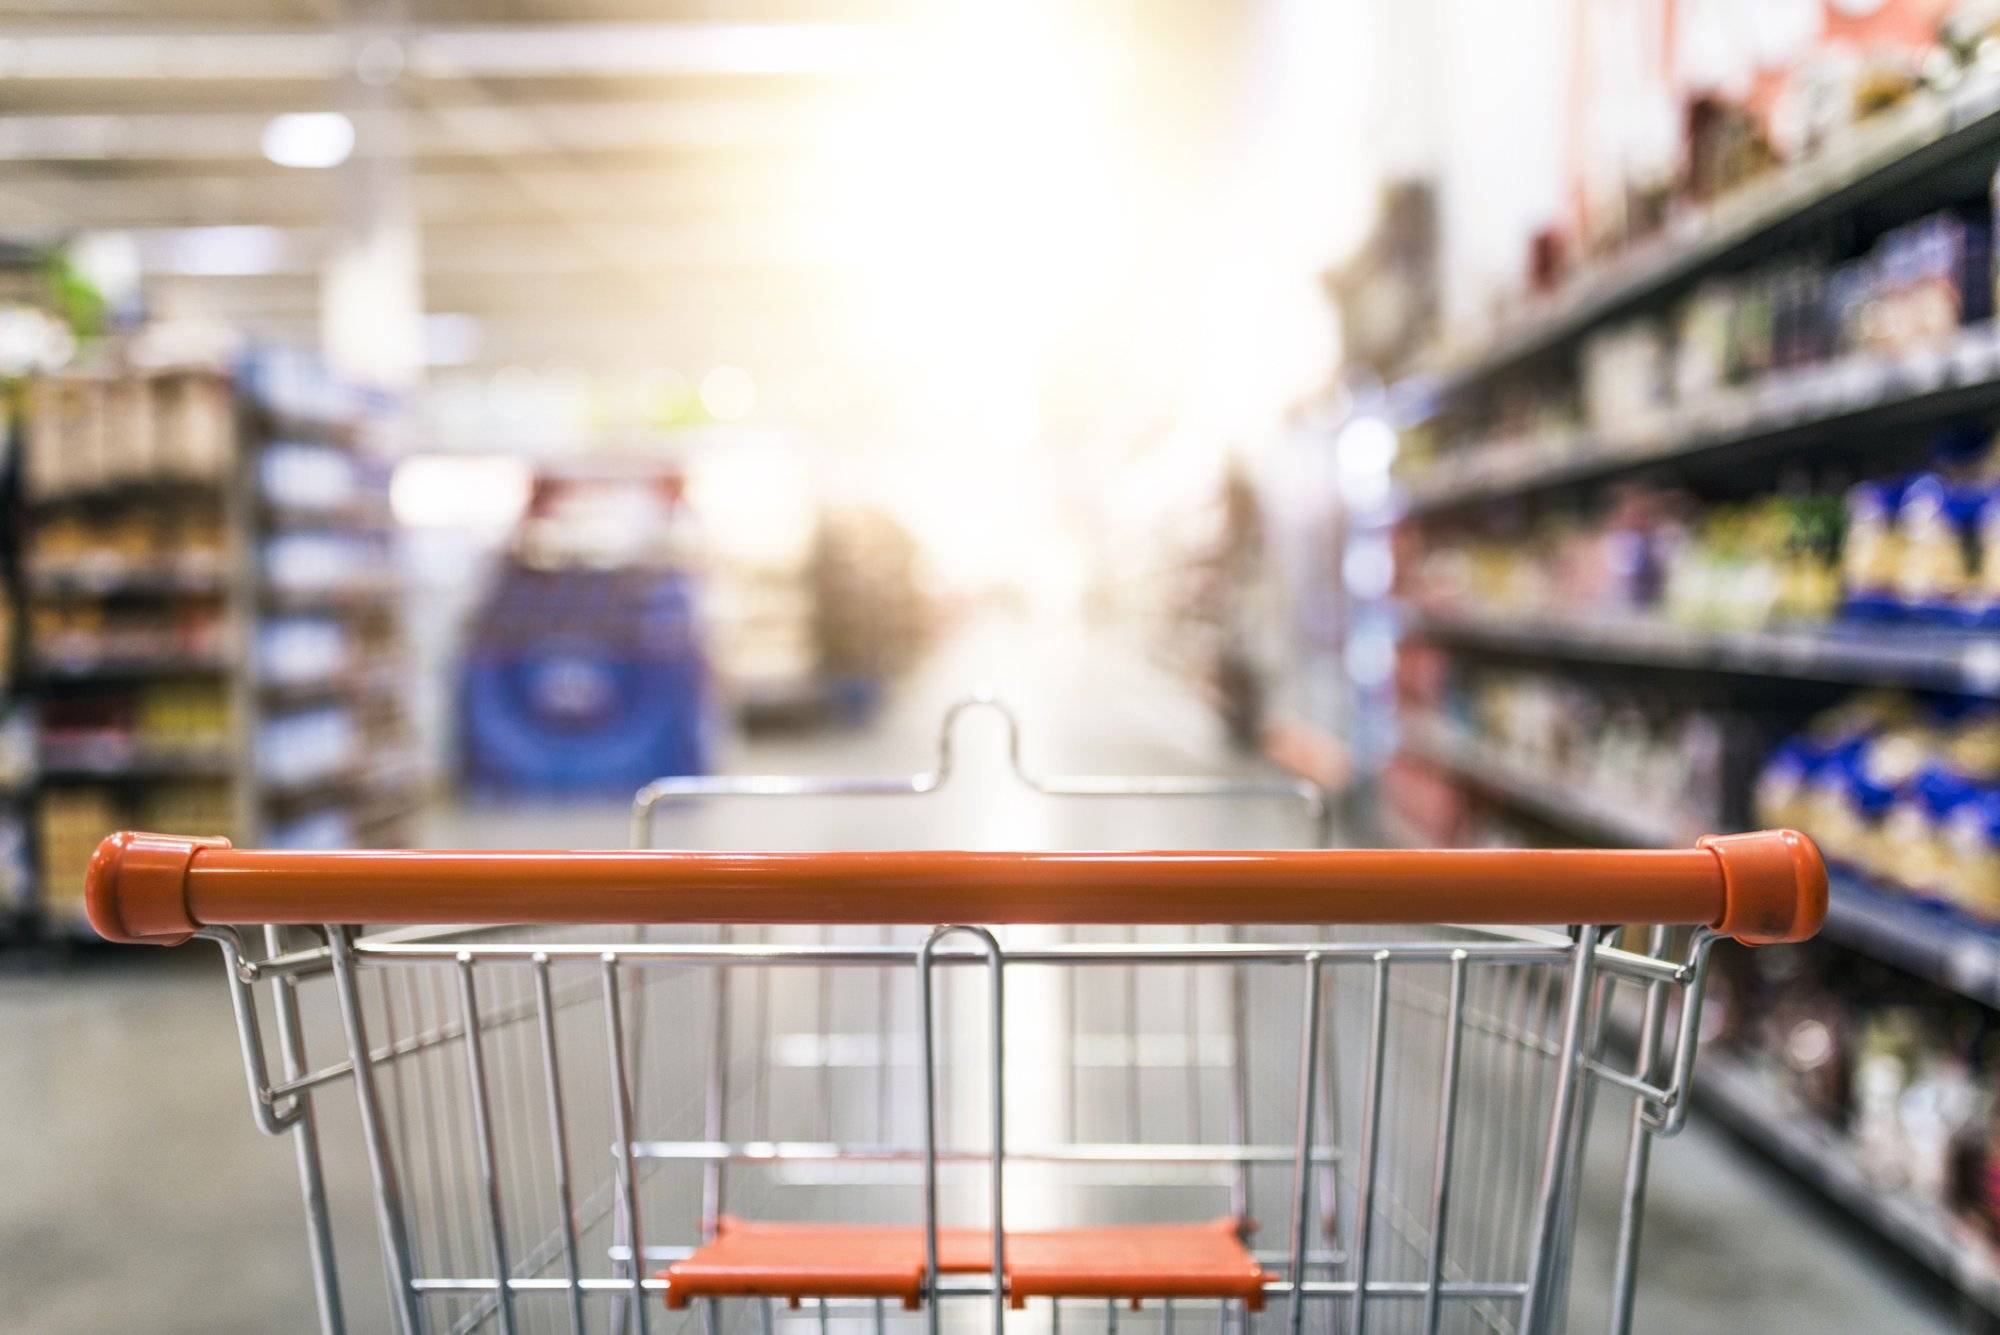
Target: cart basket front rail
[[1762, 887]]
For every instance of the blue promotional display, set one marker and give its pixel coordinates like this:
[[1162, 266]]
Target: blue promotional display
[[585, 679], [606, 691]]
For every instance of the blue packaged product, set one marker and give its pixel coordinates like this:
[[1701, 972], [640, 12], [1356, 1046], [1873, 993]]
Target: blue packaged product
[[1932, 574], [1870, 797], [1982, 601], [1942, 790], [1842, 804], [1971, 842], [1915, 851], [1871, 556], [1782, 786]]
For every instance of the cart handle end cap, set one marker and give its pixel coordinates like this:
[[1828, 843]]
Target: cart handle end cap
[[1773, 886], [135, 890]]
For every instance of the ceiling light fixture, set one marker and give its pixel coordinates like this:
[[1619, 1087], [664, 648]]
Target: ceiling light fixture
[[314, 140]]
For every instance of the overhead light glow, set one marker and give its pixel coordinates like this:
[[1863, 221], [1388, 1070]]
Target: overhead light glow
[[471, 491], [452, 338], [315, 140], [111, 263], [728, 393], [229, 250]]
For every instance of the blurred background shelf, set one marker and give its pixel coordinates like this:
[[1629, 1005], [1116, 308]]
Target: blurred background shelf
[[1834, 410], [1919, 155], [1756, 1109], [1935, 942], [69, 762], [57, 672], [115, 582], [1931, 941], [277, 545], [1598, 819], [369, 595]]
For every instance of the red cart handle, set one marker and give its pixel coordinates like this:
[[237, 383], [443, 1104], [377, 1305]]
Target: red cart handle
[[1758, 888]]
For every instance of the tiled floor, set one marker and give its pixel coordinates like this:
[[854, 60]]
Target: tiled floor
[[135, 1194]]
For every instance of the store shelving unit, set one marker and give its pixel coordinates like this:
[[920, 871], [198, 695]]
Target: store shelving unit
[[367, 791], [163, 576], [1591, 817], [1846, 403], [1922, 939], [1921, 152], [17, 771], [1856, 413], [1791, 1134], [1929, 941]]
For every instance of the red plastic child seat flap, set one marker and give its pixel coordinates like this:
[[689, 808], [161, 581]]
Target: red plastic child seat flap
[[1134, 1261], [750, 1259]]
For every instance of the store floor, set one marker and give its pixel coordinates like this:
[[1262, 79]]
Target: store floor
[[135, 1194]]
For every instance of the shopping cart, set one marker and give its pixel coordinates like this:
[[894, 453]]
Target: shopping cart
[[556, 1095]]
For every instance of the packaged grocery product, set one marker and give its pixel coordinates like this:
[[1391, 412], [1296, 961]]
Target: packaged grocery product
[[1934, 1110], [1971, 835], [1779, 799], [1851, 304], [1622, 377], [1931, 575], [1972, 744], [1701, 348], [1913, 849], [195, 428], [1881, 1071], [1801, 333], [128, 429], [1904, 792], [1872, 555], [1810, 1045], [1808, 589], [1946, 280], [1983, 596], [1865, 844], [1843, 794]]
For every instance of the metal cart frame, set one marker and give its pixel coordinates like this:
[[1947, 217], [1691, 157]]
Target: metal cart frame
[[522, 999]]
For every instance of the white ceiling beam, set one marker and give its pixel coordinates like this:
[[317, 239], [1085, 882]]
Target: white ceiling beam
[[704, 243], [666, 189], [518, 51], [495, 130], [532, 295], [662, 248], [653, 49]]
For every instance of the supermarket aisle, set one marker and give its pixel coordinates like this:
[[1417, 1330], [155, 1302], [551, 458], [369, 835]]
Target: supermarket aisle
[[101, 1231]]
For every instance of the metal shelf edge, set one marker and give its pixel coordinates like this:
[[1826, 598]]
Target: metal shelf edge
[[1966, 662]]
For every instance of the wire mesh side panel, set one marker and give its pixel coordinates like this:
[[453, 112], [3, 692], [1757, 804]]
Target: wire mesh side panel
[[553, 1123], [1442, 1100], [1462, 1166], [476, 1140]]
